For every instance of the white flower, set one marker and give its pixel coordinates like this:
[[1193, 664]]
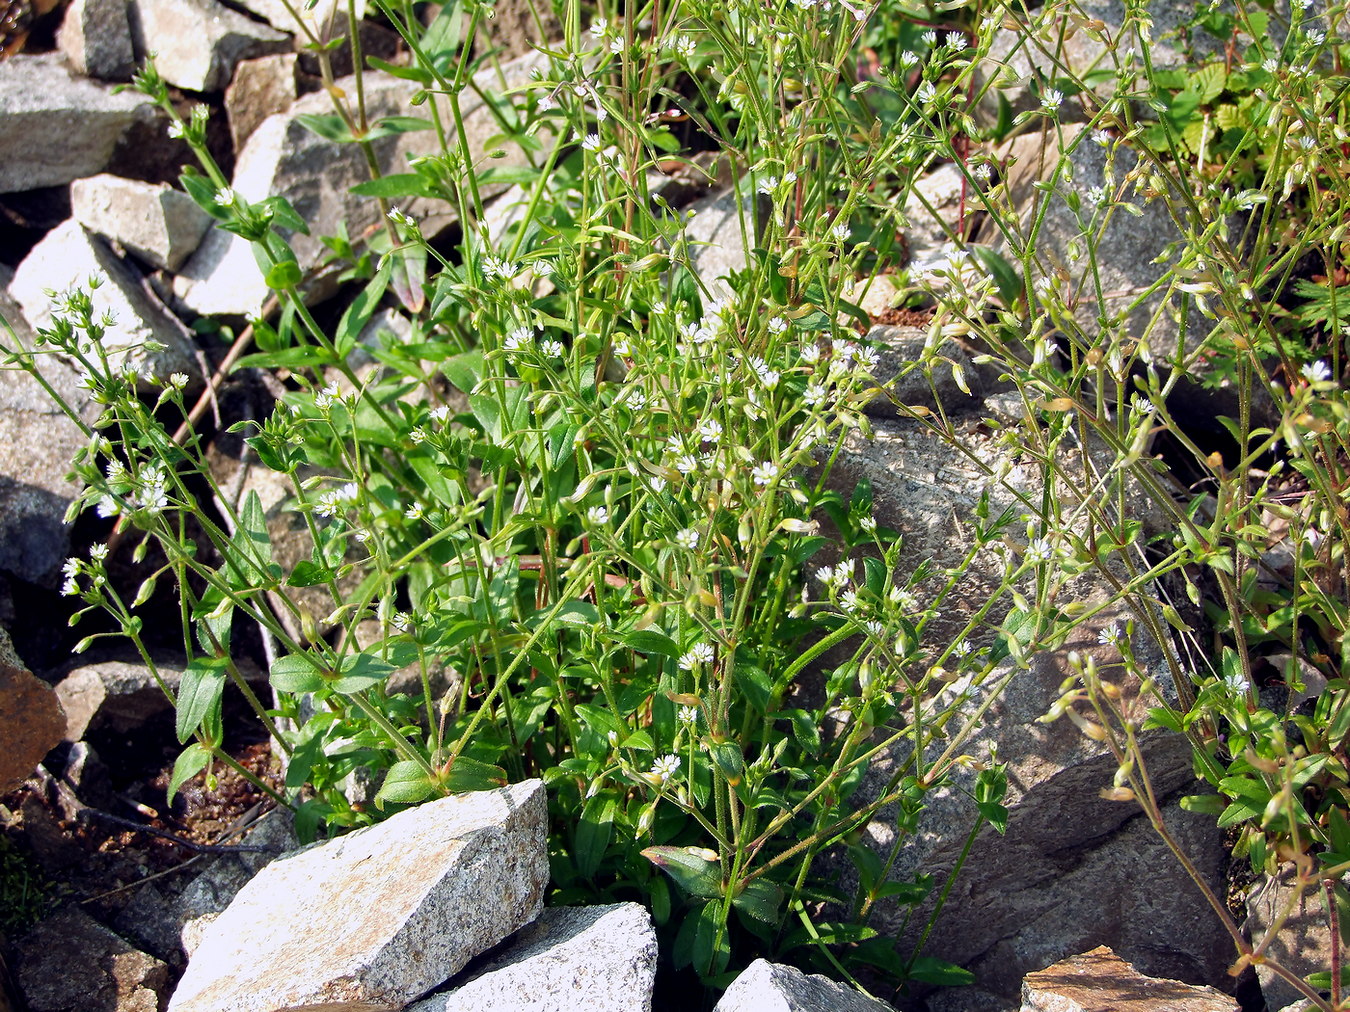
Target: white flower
[[517, 340], [551, 348], [811, 353], [666, 767], [926, 93], [592, 142], [687, 538], [600, 27], [178, 380], [686, 463], [226, 197], [709, 430], [1316, 372], [414, 512], [868, 525], [929, 38], [699, 653], [70, 570], [848, 600], [1270, 65], [326, 397], [687, 715], [957, 41], [597, 515], [1051, 100], [763, 473], [622, 348], [815, 395], [777, 325], [1040, 550], [417, 434]]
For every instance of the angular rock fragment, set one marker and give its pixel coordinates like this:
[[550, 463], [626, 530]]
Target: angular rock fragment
[[1074, 869], [96, 38], [57, 127], [72, 963], [261, 88], [31, 720], [66, 258], [38, 441], [116, 695], [376, 918], [285, 158], [772, 987], [198, 42], [1100, 981], [602, 959], [156, 222]]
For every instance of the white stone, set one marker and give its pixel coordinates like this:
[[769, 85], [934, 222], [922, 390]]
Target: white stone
[[376, 918], [601, 959], [57, 127], [198, 42], [96, 38], [284, 158], [66, 258], [772, 987], [155, 221]]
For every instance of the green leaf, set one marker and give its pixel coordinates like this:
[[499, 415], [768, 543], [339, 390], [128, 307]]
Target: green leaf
[[329, 127], [191, 761], [760, 899], [471, 775], [594, 832], [712, 945], [407, 783], [399, 184], [357, 672], [388, 126], [308, 574], [441, 39], [1004, 274], [648, 641], [690, 868], [199, 693], [283, 274], [827, 933], [296, 673], [362, 307], [932, 970]]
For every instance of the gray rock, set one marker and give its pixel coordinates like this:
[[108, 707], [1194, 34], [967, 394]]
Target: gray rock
[[198, 42], [933, 211], [1017, 57], [30, 718], [261, 88], [375, 918], [38, 442], [1126, 246], [1303, 943], [1074, 868], [113, 694], [903, 346], [602, 959], [58, 127], [66, 258], [284, 158], [96, 38], [1100, 981], [716, 244], [72, 963], [154, 221], [170, 923], [319, 18], [772, 987]]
